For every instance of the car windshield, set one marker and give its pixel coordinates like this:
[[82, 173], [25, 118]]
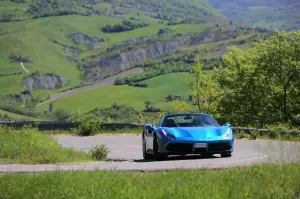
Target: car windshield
[[189, 120]]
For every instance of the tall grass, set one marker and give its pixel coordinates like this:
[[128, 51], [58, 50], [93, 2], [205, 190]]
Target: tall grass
[[259, 182], [29, 146]]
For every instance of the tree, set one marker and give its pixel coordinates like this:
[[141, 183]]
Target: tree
[[180, 105], [204, 88], [51, 106], [261, 85]]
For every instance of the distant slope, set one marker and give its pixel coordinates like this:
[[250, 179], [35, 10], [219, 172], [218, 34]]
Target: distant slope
[[52, 37], [103, 97], [271, 14]]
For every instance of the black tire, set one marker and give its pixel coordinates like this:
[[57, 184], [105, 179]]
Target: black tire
[[156, 154], [146, 155], [226, 155]]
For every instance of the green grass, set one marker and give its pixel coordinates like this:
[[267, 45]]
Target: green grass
[[33, 39], [158, 88], [14, 116], [259, 182], [29, 146], [189, 28]]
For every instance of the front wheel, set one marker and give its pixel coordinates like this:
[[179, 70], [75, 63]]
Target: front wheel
[[156, 154], [146, 155]]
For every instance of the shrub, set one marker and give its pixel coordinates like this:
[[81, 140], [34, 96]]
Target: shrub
[[276, 130], [242, 134], [99, 152], [254, 135], [127, 25], [142, 85], [89, 126]]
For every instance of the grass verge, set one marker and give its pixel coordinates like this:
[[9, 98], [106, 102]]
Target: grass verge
[[263, 181], [29, 146]]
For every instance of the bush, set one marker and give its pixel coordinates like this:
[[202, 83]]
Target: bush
[[254, 135], [99, 152], [242, 134], [89, 126], [276, 130], [127, 25], [142, 85]]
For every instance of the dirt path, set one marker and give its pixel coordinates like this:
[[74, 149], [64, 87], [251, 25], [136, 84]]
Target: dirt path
[[106, 82]]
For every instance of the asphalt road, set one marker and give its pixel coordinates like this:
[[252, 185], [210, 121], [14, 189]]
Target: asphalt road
[[126, 155]]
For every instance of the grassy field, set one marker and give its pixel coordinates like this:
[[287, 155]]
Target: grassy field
[[29, 146], [158, 88], [33, 39], [259, 182], [14, 116]]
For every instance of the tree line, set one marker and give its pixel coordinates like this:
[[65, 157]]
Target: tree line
[[257, 87]]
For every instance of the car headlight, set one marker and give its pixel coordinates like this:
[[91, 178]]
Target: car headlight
[[226, 134], [168, 135]]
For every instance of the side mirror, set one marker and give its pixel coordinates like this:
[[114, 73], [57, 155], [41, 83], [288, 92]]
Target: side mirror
[[228, 125]]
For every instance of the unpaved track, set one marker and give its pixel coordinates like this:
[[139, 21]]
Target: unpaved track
[[110, 81], [126, 153]]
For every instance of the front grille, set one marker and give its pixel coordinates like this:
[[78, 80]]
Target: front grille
[[182, 147], [219, 146]]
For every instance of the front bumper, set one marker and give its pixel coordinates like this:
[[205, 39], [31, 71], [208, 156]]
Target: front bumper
[[188, 147]]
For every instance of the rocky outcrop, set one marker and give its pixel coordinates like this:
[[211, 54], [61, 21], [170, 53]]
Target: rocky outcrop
[[74, 52], [135, 41], [39, 81], [146, 48], [214, 35], [126, 60], [90, 42]]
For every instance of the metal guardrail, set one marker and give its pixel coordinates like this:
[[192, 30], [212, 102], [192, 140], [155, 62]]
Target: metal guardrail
[[59, 125]]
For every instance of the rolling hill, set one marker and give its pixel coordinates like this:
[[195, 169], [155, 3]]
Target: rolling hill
[[47, 47], [271, 14]]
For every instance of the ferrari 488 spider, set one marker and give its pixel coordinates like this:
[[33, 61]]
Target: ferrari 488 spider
[[186, 133]]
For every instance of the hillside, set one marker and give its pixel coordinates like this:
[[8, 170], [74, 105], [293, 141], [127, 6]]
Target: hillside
[[48, 47], [271, 14]]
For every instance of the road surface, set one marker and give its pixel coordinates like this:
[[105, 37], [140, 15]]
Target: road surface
[[126, 155]]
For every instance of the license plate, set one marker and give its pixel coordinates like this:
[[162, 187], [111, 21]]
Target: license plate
[[200, 145]]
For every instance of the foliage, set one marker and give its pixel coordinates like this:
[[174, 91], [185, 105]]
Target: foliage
[[254, 135], [99, 152], [259, 181], [261, 84], [204, 88], [89, 126], [142, 85], [180, 105], [126, 25], [276, 130], [29, 146], [167, 65]]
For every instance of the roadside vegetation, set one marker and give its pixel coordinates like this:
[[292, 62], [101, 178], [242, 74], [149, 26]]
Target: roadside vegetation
[[278, 181], [29, 146]]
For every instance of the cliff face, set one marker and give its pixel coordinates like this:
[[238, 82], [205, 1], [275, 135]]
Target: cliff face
[[128, 59], [149, 48], [43, 81]]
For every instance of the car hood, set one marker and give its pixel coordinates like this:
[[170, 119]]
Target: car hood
[[197, 132]]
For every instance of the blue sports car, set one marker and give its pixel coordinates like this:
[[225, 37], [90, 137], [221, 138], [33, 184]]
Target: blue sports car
[[186, 133]]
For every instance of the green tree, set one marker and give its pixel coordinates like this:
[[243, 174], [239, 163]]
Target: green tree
[[261, 85], [205, 89]]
